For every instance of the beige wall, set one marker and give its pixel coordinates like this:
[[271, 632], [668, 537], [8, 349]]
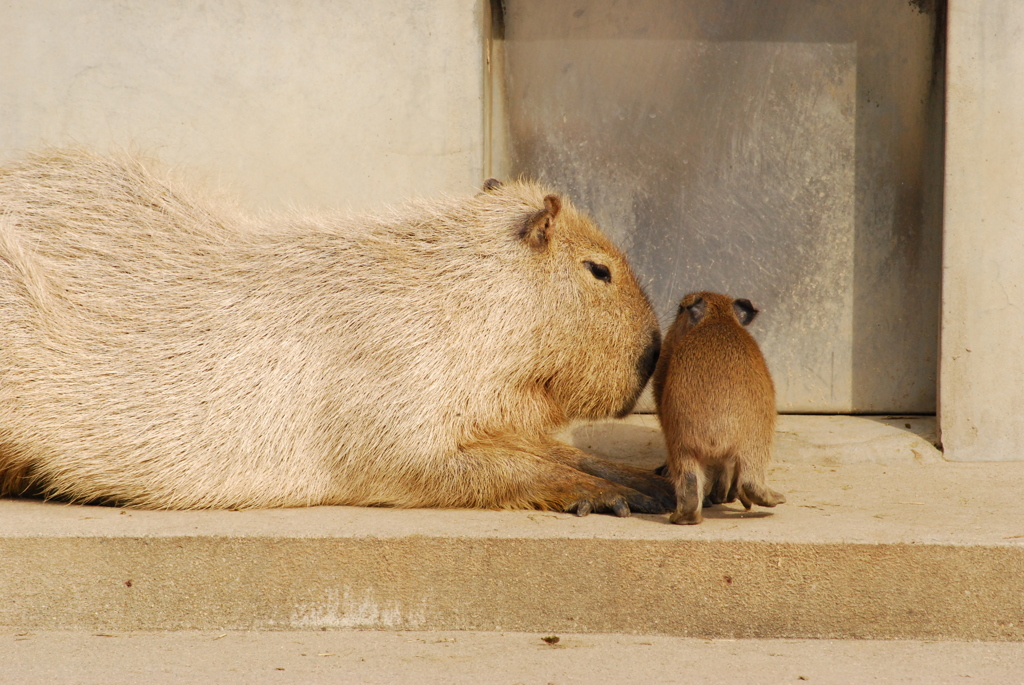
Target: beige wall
[[982, 369], [316, 102]]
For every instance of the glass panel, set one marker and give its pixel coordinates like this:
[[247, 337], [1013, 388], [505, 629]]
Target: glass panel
[[787, 152]]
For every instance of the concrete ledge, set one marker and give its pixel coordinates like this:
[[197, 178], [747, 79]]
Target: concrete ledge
[[388, 658], [912, 548]]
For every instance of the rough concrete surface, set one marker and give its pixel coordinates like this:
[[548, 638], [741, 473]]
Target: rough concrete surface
[[982, 368], [389, 657], [910, 548]]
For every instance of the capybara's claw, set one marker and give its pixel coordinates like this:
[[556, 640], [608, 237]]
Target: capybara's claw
[[616, 500]]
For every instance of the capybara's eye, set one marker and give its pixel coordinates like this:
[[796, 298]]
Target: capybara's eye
[[600, 271]]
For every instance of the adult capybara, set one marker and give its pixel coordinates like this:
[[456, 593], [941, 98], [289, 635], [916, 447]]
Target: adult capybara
[[162, 350], [716, 405]]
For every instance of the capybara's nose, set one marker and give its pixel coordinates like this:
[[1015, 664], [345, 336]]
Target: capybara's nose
[[650, 357]]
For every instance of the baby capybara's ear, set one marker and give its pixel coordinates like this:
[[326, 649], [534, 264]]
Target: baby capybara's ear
[[745, 311], [697, 311]]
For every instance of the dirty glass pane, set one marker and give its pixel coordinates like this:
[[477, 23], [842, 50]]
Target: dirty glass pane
[[788, 152]]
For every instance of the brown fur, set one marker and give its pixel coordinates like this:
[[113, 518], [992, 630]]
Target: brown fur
[[716, 404], [162, 350]]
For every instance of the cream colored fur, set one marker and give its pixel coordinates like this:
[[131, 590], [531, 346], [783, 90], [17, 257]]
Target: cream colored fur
[[159, 349]]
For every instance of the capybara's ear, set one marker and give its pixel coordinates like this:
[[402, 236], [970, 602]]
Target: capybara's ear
[[745, 311], [697, 311], [537, 228], [491, 184]]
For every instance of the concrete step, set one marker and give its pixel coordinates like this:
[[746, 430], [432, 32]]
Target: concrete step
[[394, 658], [880, 539]]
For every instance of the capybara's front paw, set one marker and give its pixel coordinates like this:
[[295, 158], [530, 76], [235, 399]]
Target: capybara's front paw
[[644, 482], [586, 506], [620, 501]]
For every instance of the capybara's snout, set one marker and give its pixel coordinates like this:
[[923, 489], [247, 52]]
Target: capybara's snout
[[645, 365], [649, 359]]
